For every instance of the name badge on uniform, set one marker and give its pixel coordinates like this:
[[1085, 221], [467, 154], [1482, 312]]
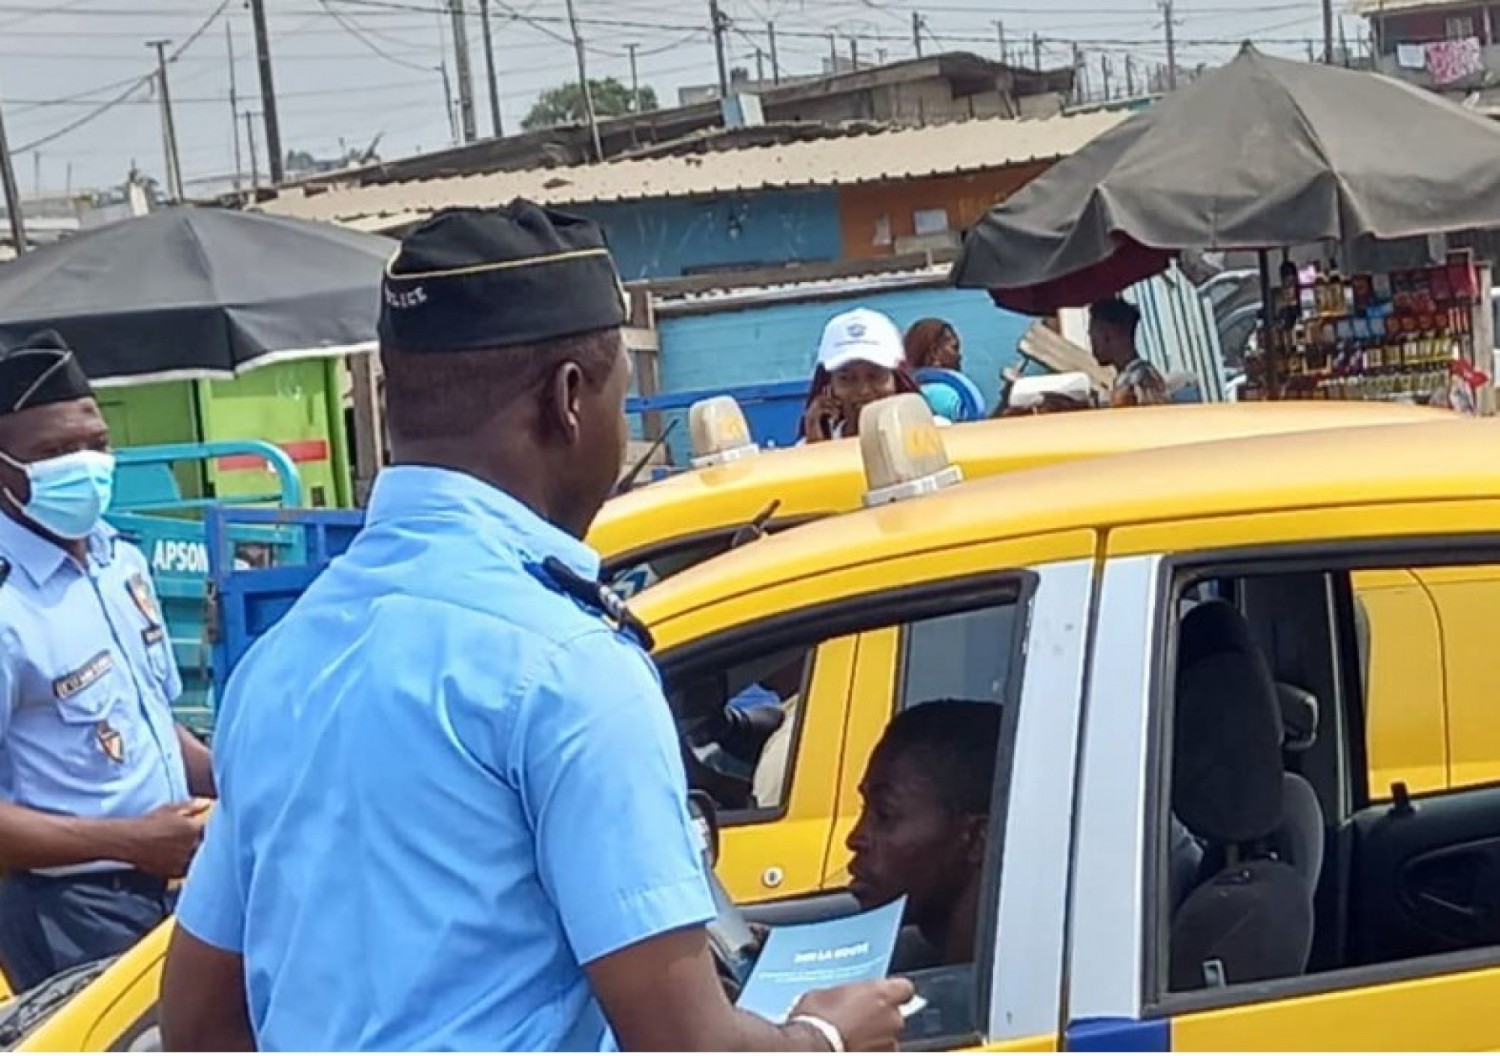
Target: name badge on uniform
[[110, 742], [75, 682], [145, 600]]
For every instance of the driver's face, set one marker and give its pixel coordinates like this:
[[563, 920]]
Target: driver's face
[[907, 842]]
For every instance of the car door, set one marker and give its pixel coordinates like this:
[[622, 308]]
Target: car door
[[1405, 928]]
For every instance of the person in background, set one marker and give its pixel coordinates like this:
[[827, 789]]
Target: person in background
[[860, 360], [925, 820], [96, 807], [507, 860], [1112, 330], [933, 343]]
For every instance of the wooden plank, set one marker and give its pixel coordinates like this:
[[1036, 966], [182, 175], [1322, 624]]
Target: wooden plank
[[370, 442], [646, 354], [640, 339], [1049, 348]]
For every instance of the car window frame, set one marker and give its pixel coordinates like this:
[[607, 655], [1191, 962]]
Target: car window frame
[[1338, 558], [880, 610], [814, 625]]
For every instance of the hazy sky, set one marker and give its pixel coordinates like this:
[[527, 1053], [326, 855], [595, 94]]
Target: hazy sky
[[347, 70]]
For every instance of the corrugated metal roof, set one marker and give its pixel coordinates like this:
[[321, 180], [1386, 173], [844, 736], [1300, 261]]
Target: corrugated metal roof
[[1366, 8], [731, 295], [937, 150]]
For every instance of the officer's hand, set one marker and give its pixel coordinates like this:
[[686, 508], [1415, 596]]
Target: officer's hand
[[166, 838], [868, 1015]]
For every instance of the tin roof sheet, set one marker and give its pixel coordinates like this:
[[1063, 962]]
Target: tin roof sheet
[[935, 150]]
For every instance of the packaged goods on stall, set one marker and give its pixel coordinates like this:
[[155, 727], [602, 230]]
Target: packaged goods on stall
[[1407, 335]]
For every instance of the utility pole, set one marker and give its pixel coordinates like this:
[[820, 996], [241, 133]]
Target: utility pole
[[489, 69], [168, 129], [12, 195], [854, 52], [1328, 32], [583, 81], [1129, 76], [833, 55], [254, 164], [36, 173], [775, 64], [448, 103], [461, 69], [1036, 52], [234, 109], [1080, 76], [635, 84], [1105, 71], [1000, 39], [720, 27], [275, 159], [917, 23], [1171, 26], [1343, 44]]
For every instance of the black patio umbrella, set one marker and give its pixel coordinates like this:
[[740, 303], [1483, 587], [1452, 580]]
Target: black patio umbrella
[[1259, 154], [193, 292]]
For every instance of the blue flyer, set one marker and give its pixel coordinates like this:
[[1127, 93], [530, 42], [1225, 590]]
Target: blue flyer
[[803, 957]]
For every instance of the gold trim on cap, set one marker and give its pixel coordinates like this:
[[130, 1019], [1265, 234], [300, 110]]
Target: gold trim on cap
[[505, 265]]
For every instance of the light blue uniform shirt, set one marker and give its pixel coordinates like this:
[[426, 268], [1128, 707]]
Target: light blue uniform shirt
[[445, 786], [87, 681]]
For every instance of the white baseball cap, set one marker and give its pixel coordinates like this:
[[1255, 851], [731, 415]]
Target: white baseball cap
[[861, 334]]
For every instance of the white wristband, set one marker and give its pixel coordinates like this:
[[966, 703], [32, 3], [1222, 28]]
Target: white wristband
[[822, 1026]]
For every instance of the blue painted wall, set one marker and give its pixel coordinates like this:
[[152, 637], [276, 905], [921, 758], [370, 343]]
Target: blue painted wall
[[778, 342], [674, 236]]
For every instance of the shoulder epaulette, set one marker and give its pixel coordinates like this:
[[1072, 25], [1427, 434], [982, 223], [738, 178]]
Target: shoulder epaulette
[[599, 598]]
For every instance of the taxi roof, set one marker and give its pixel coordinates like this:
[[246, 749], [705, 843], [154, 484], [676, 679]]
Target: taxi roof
[[1450, 458], [821, 479]]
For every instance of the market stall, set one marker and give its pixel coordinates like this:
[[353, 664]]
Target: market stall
[[1259, 155], [1420, 334]]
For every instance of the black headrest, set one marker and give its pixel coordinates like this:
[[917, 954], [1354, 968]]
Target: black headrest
[[1226, 758], [1250, 923]]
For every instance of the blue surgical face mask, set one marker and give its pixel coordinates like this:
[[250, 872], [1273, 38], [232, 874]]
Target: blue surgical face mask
[[69, 494]]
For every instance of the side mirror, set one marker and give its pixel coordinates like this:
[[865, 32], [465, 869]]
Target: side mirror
[[1299, 717], [705, 817]]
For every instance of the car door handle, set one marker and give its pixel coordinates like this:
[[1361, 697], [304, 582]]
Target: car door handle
[[1432, 901]]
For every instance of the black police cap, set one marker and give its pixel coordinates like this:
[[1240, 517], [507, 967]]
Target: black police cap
[[471, 279], [39, 371]]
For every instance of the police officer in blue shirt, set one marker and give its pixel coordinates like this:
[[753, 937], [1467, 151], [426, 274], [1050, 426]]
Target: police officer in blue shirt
[[453, 809], [96, 779]]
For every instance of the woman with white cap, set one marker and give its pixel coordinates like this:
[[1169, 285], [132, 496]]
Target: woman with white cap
[[861, 359]]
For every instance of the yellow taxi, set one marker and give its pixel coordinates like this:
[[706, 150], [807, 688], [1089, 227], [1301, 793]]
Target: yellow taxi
[[1174, 641], [657, 530]]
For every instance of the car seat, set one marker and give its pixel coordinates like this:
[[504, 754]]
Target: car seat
[[1252, 918]]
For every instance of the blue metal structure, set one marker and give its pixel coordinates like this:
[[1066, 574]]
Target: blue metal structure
[[248, 601], [151, 512]]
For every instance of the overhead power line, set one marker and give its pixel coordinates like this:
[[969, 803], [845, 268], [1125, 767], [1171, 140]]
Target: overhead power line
[[130, 90]]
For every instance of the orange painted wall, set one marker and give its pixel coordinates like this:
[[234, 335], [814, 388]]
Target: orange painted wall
[[964, 197]]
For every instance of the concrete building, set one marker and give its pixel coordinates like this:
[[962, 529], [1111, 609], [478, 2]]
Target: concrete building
[[1448, 46]]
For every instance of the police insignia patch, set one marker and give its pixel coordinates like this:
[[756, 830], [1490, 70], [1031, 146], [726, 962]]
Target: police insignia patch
[[110, 741], [140, 593]]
